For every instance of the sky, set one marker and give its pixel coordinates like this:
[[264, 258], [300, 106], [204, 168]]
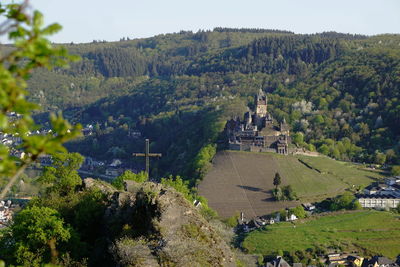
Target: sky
[[88, 20]]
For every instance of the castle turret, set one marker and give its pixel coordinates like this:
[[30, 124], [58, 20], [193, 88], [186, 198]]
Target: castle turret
[[261, 104], [284, 127]]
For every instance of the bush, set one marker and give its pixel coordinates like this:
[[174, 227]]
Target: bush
[[299, 212], [128, 175], [288, 193], [395, 170], [347, 201], [284, 193], [233, 220]]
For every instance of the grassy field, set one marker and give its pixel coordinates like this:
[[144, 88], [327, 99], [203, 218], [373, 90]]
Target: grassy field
[[242, 181], [367, 232], [327, 177]]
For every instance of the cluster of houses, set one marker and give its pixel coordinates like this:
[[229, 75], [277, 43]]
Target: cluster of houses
[[341, 259], [6, 212], [88, 130], [258, 222], [115, 168], [381, 195]]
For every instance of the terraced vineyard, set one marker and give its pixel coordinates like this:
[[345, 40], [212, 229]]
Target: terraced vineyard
[[242, 181]]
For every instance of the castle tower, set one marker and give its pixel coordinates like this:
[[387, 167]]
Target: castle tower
[[284, 127], [261, 104]]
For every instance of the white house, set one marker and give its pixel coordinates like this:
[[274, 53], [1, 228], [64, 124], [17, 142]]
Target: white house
[[379, 201]]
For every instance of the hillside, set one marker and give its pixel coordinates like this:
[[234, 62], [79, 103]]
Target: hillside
[[171, 87], [242, 181], [366, 232]]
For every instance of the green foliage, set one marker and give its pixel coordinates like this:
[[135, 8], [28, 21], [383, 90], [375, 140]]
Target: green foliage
[[379, 158], [298, 138], [328, 231], [277, 193], [395, 170], [35, 235], [202, 162], [299, 212], [179, 185], [288, 193], [346, 201], [277, 180], [284, 193], [233, 220], [128, 175], [31, 50], [63, 175], [87, 214]]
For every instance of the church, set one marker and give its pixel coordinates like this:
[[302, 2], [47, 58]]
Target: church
[[258, 132]]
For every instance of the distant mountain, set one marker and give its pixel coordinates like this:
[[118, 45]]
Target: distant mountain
[[339, 92]]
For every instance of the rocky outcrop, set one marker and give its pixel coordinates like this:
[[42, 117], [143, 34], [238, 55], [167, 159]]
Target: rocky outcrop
[[153, 225]]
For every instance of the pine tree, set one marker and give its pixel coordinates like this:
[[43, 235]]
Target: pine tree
[[277, 179]]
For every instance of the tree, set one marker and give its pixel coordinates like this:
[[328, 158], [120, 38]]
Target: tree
[[345, 201], [299, 212], [277, 194], [298, 138], [288, 193], [35, 235], [277, 180], [395, 170], [380, 158], [32, 50], [324, 149], [63, 175]]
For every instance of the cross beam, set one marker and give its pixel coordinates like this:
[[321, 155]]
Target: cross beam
[[147, 155]]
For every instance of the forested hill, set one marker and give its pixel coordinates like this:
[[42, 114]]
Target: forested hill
[[339, 92]]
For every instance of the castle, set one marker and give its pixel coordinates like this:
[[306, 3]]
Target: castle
[[258, 131]]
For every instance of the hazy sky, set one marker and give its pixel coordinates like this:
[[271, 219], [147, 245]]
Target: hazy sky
[[87, 20]]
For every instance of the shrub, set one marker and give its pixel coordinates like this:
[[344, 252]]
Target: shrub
[[128, 175]]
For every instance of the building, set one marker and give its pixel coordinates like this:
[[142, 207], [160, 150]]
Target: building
[[378, 261], [377, 201], [278, 262], [259, 132], [381, 195]]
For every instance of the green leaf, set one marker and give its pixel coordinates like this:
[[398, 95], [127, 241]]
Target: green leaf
[[51, 29], [37, 19]]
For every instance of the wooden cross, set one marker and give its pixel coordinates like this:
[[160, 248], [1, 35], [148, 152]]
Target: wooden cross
[[147, 155]]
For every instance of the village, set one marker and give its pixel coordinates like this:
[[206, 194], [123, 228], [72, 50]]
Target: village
[[340, 259]]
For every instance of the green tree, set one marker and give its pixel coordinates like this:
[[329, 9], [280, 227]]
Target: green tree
[[324, 149], [179, 185], [395, 170], [345, 201], [35, 235], [277, 180], [32, 50], [298, 138], [318, 119], [379, 158], [288, 193], [277, 194], [299, 212], [63, 174]]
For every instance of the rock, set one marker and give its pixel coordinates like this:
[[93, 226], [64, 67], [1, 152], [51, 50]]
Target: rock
[[159, 227]]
